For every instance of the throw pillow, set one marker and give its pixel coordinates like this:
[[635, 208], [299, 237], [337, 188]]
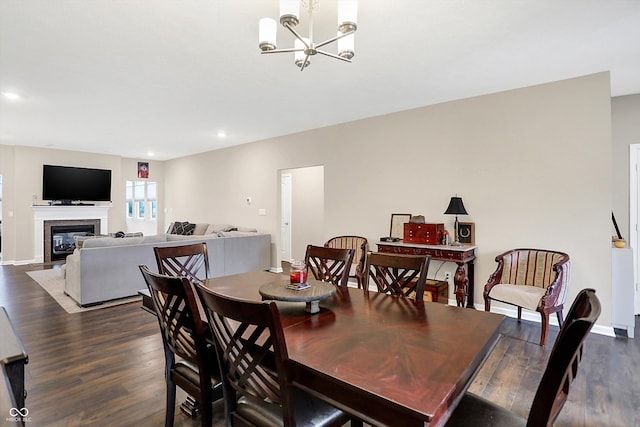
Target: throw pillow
[[183, 228]]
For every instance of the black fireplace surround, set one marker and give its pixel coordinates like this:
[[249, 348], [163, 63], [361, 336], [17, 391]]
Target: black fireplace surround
[[59, 236]]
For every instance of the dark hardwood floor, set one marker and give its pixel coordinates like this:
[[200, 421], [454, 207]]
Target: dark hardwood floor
[[105, 367]]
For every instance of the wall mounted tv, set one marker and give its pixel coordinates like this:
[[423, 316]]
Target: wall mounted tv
[[65, 184]]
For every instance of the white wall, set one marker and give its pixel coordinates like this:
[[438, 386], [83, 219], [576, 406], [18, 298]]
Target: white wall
[[532, 165]]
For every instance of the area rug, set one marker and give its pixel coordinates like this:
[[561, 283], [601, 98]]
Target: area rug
[[53, 282]]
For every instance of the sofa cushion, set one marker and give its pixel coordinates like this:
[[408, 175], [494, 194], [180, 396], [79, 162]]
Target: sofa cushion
[[521, 295], [79, 240], [200, 228], [126, 241], [179, 237], [216, 228]]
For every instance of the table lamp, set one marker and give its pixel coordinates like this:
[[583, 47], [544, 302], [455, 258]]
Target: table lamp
[[456, 207]]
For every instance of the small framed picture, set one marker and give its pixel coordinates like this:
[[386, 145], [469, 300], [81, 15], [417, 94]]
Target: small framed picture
[[143, 169], [467, 233], [397, 225]]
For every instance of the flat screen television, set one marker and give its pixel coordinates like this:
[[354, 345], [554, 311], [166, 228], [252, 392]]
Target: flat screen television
[[67, 184]]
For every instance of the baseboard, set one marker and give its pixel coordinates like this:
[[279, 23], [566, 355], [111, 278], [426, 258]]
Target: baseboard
[[532, 316], [25, 262], [276, 270]]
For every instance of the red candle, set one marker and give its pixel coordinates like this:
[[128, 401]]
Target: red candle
[[299, 276]]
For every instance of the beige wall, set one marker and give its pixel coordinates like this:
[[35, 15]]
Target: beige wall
[[307, 209], [22, 180], [533, 166], [625, 124]]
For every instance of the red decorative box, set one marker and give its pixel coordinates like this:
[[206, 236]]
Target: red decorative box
[[426, 234]]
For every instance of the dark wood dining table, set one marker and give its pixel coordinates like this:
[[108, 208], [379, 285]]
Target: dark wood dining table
[[387, 360]]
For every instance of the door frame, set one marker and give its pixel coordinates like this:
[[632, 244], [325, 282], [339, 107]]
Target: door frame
[[285, 199], [634, 213]]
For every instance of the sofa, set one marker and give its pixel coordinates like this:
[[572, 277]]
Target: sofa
[[106, 268]]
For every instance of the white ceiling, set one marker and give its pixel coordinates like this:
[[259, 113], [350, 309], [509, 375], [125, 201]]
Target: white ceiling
[[130, 77]]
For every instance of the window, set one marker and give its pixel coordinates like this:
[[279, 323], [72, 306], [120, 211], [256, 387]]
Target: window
[[142, 200]]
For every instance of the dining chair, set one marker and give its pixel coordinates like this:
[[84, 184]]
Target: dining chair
[[253, 357], [329, 264], [535, 279], [189, 358], [397, 274], [554, 386], [360, 245], [191, 261]]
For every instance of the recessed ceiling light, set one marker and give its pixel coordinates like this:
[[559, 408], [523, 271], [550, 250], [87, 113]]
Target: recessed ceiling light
[[150, 153], [11, 95], [221, 134]]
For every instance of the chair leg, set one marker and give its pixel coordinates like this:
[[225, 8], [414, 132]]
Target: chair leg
[[560, 318], [171, 403], [205, 407], [487, 304], [519, 314], [545, 327]]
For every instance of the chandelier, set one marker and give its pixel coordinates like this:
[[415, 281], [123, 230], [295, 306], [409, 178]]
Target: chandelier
[[305, 47]]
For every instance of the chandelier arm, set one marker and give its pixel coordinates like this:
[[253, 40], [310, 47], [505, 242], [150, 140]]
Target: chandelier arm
[[306, 61], [332, 39], [296, 35], [333, 55], [282, 50]]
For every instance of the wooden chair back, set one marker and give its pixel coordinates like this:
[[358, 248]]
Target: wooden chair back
[[397, 274], [361, 247], [183, 335], [329, 264], [191, 261], [176, 309], [251, 350], [565, 357]]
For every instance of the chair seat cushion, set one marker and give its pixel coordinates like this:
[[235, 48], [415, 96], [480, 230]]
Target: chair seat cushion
[[521, 295], [476, 411], [308, 412]]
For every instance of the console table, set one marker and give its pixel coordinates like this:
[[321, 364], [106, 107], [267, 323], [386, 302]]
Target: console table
[[461, 255]]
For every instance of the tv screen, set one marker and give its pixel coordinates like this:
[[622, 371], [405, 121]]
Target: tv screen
[[66, 184]]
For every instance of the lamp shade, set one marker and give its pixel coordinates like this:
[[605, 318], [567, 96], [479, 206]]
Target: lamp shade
[[346, 46], [290, 12], [347, 15], [456, 207], [267, 34]]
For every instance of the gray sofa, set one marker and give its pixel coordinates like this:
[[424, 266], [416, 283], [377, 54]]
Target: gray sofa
[[106, 268]]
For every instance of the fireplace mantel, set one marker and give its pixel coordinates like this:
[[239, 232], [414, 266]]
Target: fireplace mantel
[[61, 213]]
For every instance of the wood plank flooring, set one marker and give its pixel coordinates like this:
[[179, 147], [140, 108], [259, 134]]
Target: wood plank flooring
[[105, 367]]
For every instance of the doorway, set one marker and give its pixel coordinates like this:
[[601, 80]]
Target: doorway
[[0, 218], [301, 210]]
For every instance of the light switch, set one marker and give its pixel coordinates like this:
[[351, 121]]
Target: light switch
[[262, 212]]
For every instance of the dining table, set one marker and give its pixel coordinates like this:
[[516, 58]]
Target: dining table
[[387, 360]]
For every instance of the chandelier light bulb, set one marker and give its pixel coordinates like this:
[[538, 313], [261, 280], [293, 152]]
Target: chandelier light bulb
[[347, 15], [346, 46], [290, 12], [267, 30]]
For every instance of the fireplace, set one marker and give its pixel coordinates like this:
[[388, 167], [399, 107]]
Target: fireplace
[[62, 239], [59, 236]]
